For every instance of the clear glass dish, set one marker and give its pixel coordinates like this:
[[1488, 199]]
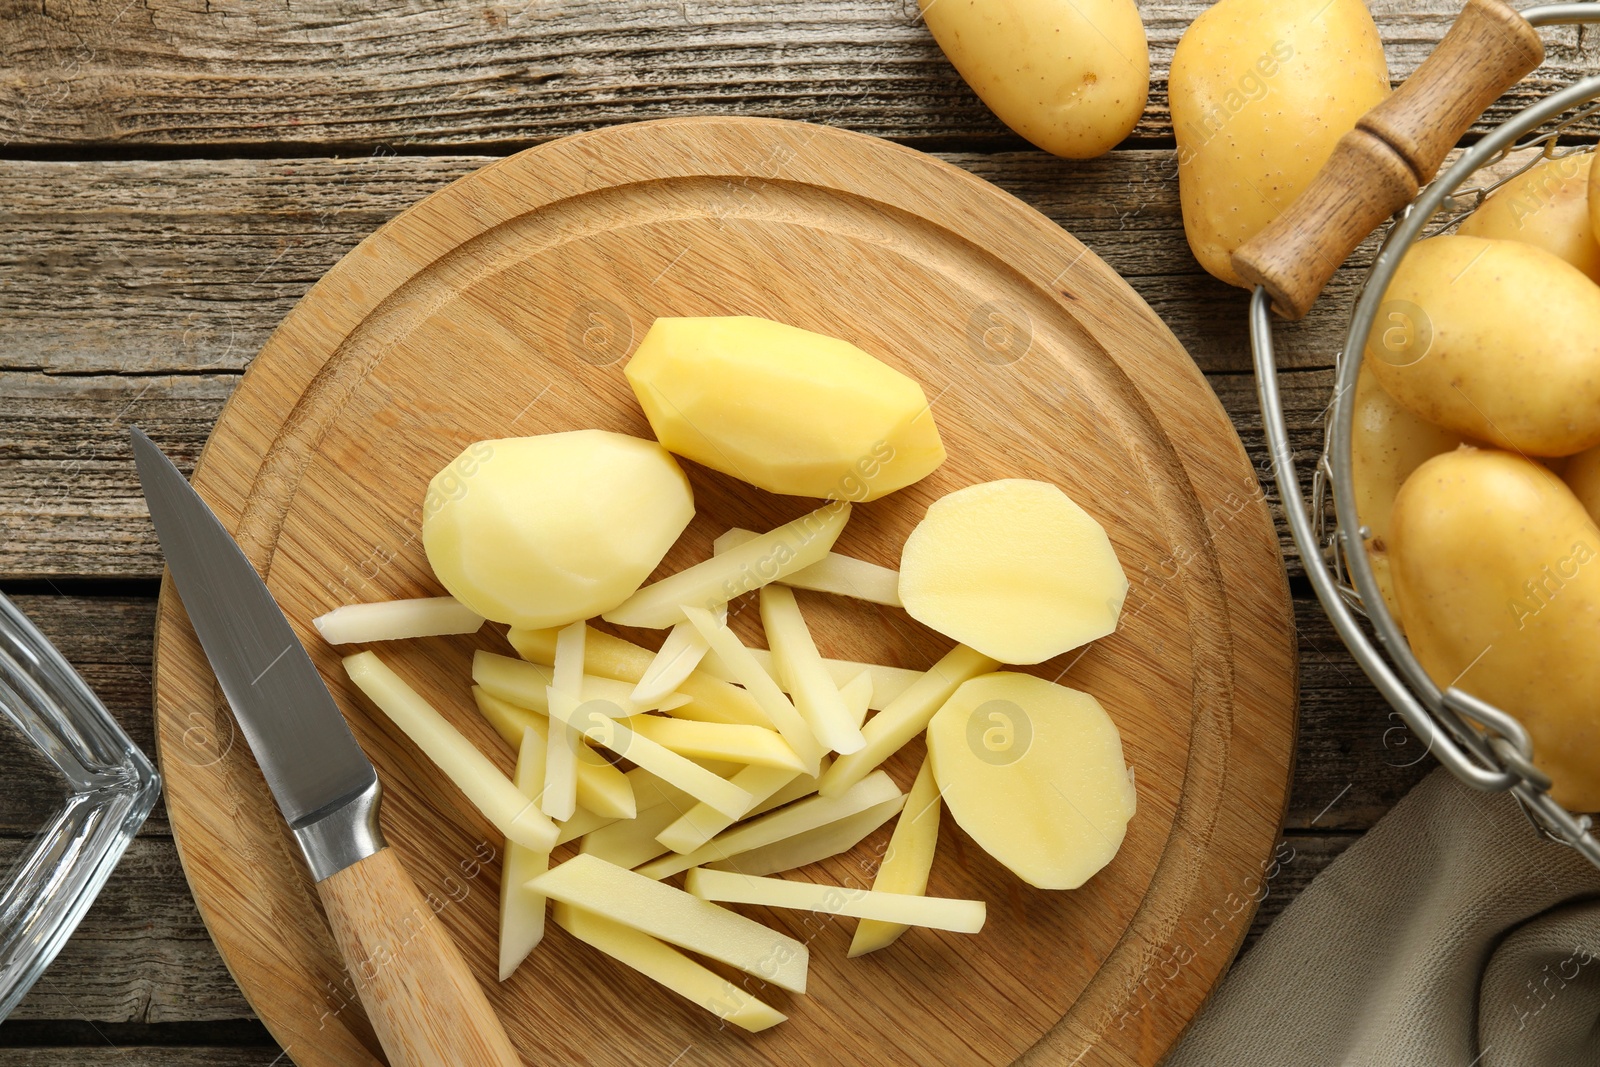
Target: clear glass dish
[[110, 787]]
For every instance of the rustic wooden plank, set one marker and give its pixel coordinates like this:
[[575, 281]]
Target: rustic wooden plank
[[97, 73]]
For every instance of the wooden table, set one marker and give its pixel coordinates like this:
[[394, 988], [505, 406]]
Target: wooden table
[[174, 174]]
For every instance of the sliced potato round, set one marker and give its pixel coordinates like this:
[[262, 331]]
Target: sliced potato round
[[544, 531], [1033, 772], [1013, 569]]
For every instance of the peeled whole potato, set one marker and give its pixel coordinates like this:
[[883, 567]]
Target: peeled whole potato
[[1013, 569], [544, 531], [1260, 92], [1496, 340], [1496, 570], [1546, 206], [1034, 773], [1387, 443], [1072, 76], [785, 409]]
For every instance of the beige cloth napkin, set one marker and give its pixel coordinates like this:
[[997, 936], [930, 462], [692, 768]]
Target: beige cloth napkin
[[1449, 936]]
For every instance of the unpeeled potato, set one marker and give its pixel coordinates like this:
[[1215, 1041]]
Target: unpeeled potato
[[1495, 567], [1582, 475], [1387, 443], [1546, 206]]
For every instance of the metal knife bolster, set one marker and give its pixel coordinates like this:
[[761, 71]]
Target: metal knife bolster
[[341, 834]]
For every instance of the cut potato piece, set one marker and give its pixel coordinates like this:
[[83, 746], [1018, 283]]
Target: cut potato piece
[[1033, 772], [664, 763], [797, 818], [560, 798], [648, 791], [785, 409], [907, 717], [779, 710], [680, 654], [602, 788], [667, 966], [857, 697], [544, 531], [813, 846], [397, 620], [702, 822], [657, 909], [887, 682], [795, 657], [721, 741], [936, 913], [527, 685], [630, 842], [521, 908], [1014, 569], [836, 574], [492, 793], [907, 862], [610, 656], [712, 583]]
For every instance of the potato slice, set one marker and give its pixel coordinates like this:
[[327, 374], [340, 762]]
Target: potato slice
[[796, 818], [813, 846], [610, 656], [796, 659], [907, 862], [785, 409], [630, 842], [397, 620], [937, 913], [521, 908], [1014, 569], [779, 710], [664, 964], [544, 531], [722, 741], [833, 573], [527, 685], [680, 654], [602, 788], [1033, 772], [678, 918], [891, 728], [492, 793]]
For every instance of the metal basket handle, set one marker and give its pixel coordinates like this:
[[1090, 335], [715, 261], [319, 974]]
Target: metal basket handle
[[1377, 168]]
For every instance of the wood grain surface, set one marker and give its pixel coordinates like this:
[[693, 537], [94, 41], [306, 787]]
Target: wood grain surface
[[466, 318]]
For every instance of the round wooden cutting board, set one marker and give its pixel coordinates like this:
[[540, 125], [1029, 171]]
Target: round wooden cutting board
[[505, 305]]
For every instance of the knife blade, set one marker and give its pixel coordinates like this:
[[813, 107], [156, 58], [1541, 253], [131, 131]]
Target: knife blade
[[424, 1003]]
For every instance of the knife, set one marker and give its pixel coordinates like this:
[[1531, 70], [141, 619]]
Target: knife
[[424, 1004]]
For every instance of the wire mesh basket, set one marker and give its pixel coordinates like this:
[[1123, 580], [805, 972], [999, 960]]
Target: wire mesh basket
[[1483, 745]]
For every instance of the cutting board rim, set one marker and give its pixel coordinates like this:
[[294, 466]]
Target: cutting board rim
[[1268, 594]]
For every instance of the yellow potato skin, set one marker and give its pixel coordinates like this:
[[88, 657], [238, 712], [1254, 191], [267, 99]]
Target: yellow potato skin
[[1072, 76], [1387, 443], [1260, 92], [1582, 475], [1547, 207], [1497, 569], [1496, 340]]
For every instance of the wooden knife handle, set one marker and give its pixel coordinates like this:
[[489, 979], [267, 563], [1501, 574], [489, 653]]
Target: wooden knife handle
[[425, 1005], [1377, 168]]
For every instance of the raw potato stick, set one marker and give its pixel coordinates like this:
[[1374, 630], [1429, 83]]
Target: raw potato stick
[[813, 846], [908, 716], [740, 570], [678, 918], [561, 754], [648, 791], [680, 654], [937, 913], [527, 685], [664, 964], [521, 908], [907, 862], [609, 656], [702, 822], [602, 788], [748, 745], [492, 793], [857, 696], [397, 620], [887, 682], [630, 842], [840, 575], [796, 660], [759, 684], [797, 818]]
